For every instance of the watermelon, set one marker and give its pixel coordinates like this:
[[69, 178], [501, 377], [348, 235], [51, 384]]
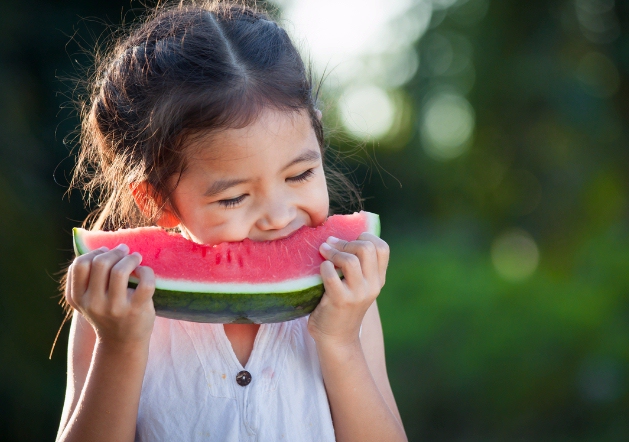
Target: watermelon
[[232, 282]]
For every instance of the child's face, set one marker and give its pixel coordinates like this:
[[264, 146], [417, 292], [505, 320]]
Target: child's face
[[261, 182]]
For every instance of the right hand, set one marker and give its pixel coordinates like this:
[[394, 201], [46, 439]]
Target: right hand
[[97, 287]]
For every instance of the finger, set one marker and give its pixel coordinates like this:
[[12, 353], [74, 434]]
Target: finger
[[68, 289], [348, 263], [79, 274], [101, 267], [382, 250], [119, 277], [366, 253], [331, 279], [146, 285]]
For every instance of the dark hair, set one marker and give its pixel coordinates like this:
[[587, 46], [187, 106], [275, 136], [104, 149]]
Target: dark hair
[[187, 68]]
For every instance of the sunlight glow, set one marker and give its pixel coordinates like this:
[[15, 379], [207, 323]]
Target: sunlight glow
[[335, 31], [365, 49]]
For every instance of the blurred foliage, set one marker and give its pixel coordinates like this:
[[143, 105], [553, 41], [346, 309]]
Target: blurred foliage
[[471, 356]]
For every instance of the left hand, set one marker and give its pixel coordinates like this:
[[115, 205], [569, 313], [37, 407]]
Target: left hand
[[339, 315]]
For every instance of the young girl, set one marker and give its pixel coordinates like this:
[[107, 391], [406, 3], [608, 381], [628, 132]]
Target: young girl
[[203, 120]]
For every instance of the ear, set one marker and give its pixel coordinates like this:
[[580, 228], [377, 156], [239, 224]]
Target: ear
[[143, 194], [319, 114]]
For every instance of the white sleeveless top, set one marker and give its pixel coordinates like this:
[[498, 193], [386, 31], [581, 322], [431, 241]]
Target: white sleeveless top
[[190, 391]]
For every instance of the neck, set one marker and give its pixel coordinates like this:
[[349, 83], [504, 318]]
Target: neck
[[242, 338]]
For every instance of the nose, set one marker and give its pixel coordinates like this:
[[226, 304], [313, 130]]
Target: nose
[[276, 215]]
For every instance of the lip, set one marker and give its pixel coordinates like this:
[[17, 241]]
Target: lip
[[282, 235]]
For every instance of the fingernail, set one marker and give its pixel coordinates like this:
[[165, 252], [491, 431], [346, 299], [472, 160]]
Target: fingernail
[[138, 255], [103, 249], [326, 247], [122, 247], [333, 240]]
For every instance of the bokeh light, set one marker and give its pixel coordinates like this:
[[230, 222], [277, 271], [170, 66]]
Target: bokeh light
[[447, 54], [367, 112], [438, 53], [600, 380], [598, 75], [447, 125], [597, 20], [515, 255]]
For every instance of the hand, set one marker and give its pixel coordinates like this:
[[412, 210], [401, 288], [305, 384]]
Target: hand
[[338, 317], [97, 286]]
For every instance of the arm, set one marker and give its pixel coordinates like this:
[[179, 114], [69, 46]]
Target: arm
[[108, 346], [372, 342], [361, 400], [354, 371], [80, 349]]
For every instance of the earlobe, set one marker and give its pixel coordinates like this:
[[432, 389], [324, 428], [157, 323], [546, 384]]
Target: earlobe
[[168, 220], [142, 194]]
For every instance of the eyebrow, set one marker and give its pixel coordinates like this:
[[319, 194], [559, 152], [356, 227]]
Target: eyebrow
[[306, 157], [219, 186]]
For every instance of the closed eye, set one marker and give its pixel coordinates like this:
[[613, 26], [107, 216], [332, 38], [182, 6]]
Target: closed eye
[[301, 177], [232, 202]]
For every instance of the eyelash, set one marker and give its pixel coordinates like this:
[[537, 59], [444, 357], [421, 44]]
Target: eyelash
[[301, 177], [232, 202]]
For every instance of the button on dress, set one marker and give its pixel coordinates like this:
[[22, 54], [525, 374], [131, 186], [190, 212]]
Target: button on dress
[[195, 389]]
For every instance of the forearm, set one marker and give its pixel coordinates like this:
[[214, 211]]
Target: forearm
[[108, 405], [359, 410]]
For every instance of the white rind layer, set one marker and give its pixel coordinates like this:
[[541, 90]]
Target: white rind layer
[[373, 223], [294, 285]]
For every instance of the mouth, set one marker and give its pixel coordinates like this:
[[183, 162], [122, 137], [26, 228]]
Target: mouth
[[284, 233], [282, 236]]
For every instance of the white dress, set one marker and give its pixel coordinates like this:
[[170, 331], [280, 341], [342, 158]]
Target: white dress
[[190, 392]]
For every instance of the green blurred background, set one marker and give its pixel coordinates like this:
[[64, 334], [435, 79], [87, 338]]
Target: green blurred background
[[502, 185]]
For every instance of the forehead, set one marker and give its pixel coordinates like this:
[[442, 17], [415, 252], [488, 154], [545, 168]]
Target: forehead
[[274, 136]]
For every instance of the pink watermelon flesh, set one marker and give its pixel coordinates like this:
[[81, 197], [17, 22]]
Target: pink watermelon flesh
[[174, 258], [243, 282]]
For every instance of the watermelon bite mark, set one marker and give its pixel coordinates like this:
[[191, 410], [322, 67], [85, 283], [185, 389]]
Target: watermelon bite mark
[[239, 282]]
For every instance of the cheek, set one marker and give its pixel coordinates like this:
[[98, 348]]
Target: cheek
[[318, 202]]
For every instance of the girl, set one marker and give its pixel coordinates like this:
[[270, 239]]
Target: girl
[[203, 120]]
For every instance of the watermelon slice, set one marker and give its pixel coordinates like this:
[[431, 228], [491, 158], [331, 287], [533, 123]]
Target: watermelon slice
[[238, 282]]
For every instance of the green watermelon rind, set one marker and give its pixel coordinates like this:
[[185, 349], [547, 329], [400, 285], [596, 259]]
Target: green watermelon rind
[[235, 303], [237, 308]]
